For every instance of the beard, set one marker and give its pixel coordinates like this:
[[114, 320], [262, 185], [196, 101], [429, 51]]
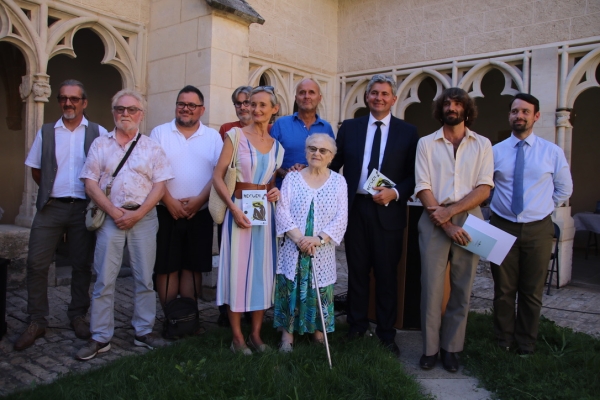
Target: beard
[[187, 124], [519, 126], [453, 119], [69, 113]]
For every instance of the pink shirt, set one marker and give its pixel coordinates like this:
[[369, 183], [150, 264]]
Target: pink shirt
[[147, 164]]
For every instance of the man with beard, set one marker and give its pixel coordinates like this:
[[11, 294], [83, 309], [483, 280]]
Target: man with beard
[[291, 131], [130, 209], [56, 158], [532, 177], [185, 227], [453, 173]]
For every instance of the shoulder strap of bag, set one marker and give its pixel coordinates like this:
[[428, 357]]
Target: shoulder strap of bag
[[126, 155], [238, 134]]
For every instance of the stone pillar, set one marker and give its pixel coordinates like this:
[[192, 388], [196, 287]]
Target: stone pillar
[[35, 91], [192, 43]]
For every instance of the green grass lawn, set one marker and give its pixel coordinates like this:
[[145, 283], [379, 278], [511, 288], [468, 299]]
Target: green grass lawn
[[205, 368], [565, 365]]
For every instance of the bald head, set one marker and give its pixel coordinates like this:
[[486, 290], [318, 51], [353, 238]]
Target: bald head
[[308, 95]]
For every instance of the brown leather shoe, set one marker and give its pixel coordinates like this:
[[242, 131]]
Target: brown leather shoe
[[81, 327], [27, 338]]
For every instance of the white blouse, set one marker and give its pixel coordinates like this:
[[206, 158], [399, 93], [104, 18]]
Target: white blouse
[[330, 217]]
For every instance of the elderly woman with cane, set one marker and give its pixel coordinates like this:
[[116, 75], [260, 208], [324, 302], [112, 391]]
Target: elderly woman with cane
[[312, 215]]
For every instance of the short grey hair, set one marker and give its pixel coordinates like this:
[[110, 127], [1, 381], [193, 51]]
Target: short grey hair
[[324, 136], [129, 92], [74, 82], [242, 89], [381, 78], [260, 89]]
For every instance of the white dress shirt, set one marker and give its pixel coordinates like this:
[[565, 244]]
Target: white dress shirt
[[547, 179], [192, 160], [371, 128], [70, 157]]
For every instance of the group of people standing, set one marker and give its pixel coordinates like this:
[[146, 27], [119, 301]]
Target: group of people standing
[[157, 204]]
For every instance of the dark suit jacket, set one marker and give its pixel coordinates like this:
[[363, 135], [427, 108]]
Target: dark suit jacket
[[398, 164]]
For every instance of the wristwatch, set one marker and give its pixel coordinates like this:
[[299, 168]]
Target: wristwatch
[[321, 239]]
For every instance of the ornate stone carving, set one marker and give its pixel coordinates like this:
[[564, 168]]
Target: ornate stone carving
[[562, 119], [41, 90], [25, 87]]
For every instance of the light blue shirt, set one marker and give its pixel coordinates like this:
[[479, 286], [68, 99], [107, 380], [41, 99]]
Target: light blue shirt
[[291, 132], [547, 179]]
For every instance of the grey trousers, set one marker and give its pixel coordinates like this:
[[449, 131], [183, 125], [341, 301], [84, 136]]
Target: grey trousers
[[141, 242], [49, 225], [447, 332], [523, 272]]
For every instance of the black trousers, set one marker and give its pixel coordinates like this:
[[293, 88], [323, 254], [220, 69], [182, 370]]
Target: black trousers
[[368, 246]]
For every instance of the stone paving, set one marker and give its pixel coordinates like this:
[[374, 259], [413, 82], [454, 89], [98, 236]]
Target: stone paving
[[52, 355]]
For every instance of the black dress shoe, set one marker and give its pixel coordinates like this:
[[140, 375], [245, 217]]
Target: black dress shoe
[[449, 361], [391, 346], [428, 362]]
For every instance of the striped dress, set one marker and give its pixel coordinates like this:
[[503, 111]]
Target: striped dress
[[248, 256]]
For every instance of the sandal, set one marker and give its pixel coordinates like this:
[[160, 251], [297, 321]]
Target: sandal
[[263, 348], [243, 350]]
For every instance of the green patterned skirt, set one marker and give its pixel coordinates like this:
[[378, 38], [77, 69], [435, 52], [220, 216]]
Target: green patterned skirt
[[296, 305]]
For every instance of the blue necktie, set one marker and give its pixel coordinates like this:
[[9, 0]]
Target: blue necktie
[[374, 160], [517, 199]]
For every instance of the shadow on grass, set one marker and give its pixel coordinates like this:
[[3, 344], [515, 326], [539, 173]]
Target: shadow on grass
[[565, 365], [204, 367]]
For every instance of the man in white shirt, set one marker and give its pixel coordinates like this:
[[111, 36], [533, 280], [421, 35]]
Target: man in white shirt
[[56, 159], [532, 177], [453, 175], [185, 233]]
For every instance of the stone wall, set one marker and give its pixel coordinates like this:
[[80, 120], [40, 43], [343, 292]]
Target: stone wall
[[14, 244], [136, 11], [190, 43], [381, 33], [300, 33]]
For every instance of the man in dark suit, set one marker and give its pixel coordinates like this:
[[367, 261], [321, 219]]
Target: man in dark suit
[[376, 223]]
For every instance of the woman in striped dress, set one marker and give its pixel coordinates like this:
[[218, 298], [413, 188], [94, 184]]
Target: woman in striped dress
[[248, 253]]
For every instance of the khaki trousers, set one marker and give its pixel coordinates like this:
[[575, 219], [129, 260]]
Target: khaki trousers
[[447, 332]]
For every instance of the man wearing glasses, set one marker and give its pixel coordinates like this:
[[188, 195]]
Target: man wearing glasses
[[56, 158], [241, 102], [185, 227], [130, 209], [292, 131]]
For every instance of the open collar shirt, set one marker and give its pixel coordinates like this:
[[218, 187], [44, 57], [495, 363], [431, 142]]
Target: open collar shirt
[[146, 165], [192, 160], [452, 178], [70, 157], [547, 181]]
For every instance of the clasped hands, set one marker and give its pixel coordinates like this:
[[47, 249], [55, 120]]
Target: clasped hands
[[183, 208], [308, 244], [440, 216]]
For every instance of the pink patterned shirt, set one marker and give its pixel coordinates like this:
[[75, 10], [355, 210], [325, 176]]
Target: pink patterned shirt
[[147, 164]]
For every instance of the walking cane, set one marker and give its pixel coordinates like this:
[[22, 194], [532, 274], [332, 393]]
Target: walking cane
[[321, 310]]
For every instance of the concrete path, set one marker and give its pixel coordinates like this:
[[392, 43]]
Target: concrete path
[[53, 354]]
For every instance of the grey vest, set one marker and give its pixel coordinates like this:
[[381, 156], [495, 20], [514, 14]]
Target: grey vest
[[49, 164]]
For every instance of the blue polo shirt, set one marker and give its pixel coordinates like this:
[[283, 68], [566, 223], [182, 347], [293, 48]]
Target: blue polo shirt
[[291, 133]]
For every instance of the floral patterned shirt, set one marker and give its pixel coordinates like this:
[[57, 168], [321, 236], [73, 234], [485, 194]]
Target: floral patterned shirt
[[147, 164]]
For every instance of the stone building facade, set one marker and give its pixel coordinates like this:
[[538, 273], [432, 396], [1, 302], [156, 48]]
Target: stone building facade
[[491, 48]]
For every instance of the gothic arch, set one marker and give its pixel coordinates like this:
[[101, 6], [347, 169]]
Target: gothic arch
[[276, 80], [472, 79], [17, 29], [408, 90], [580, 78], [354, 99]]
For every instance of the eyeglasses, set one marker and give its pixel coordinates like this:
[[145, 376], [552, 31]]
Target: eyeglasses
[[239, 104], [191, 106], [322, 150], [72, 99], [270, 89], [130, 110]]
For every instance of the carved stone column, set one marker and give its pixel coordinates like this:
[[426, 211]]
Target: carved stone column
[[35, 91], [564, 131]]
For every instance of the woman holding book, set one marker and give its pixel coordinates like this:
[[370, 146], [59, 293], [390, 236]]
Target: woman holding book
[[311, 217], [248, 251]]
